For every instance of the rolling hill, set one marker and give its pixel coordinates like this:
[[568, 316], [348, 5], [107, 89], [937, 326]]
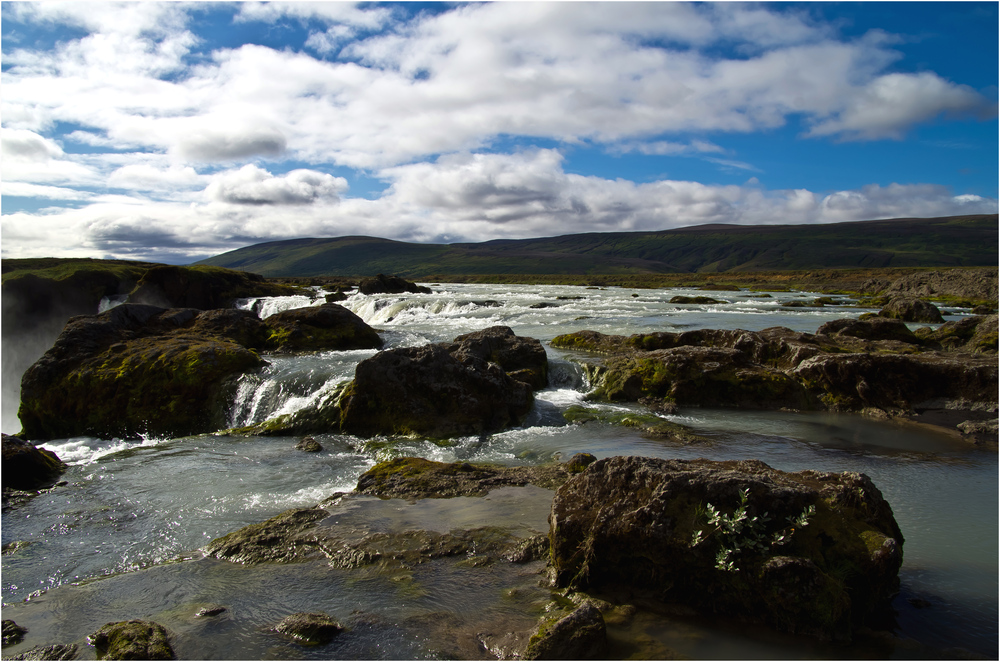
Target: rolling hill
[[955, 241]]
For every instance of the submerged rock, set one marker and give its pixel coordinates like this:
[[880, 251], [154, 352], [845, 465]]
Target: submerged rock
[[132, 640], [26, 467], [417, 478], [382, 284], [580, 635], [734, 538], [279, 539], [309, 629], [309, 445], [12, 633], [325, 327]]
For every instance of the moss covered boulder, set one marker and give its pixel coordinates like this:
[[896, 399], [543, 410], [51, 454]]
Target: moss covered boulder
[[26, 467], [309, 629], [132, 640], [444, 390], [809, 553], [315, 328], [135, 370], [579, 635], [417, 478]]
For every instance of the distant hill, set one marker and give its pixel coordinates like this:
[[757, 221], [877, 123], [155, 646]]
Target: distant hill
[[955, 241]]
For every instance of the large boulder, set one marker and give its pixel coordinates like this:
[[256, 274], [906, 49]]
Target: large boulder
[[26, 467], [524, 359], [428, 391], [135, 370], [736, 538], [325, 327], [382, 284], [580, 635], [911, 310]]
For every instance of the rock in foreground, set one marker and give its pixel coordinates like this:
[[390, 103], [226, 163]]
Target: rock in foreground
[[309, 629], [733, 538], [132, 640], [26, 467]]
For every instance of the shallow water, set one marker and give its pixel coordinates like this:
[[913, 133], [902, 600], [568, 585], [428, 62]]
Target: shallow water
[[101, 547]]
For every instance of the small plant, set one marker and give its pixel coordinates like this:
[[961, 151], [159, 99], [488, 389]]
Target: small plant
[[742, 532]]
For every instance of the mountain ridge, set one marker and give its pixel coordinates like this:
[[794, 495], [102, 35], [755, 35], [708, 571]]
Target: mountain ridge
[[952, 241]]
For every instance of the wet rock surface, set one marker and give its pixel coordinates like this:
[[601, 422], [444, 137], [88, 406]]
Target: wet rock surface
[[26, 467], [871, 365], [132, 640], [581, 635], [12, 632], [417, 478], [325, 327], [309, 629], [382, 284], [53, 652], [646, 524], [133, 370]]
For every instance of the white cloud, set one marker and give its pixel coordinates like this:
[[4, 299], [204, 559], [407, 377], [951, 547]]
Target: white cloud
[[21, 189], [251, 185], [143, 176]]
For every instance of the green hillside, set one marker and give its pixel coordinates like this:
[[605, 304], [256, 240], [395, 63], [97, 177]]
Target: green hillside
[[957, 241]]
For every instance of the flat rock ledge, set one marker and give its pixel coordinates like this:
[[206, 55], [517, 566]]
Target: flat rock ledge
[[875, 366], [303, 533], [734, 538]]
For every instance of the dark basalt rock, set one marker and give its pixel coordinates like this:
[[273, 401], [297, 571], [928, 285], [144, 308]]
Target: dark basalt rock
[[382, 284], [524, 359], [278, 539], [698, 300], [581, 635], [309, 445], [136, 370], [309, 629], [12, 633], [912, 310], [325, 327], [53, 652], [871, 365], [643, 524], [132, 640], [417, 478], [429, 391], [26, 467]]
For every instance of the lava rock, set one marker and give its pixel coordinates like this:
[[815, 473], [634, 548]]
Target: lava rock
[[911, 310], [309, 629], [325, 327], [646, 524], [53, 652], [382, 284], [26, 467], [132, 640], [309, 445], [581, 635]]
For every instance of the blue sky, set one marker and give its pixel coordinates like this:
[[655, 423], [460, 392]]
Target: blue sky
[[174, 131]]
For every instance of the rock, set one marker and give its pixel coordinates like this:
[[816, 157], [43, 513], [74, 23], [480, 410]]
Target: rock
[[874, 328], [12, 633], [427, 391], [698, 300], [132, 640], [200, 287], [981, 433], [335, 297], [309, 629], [325, 327], [579, 462], [136, 370], [973, 283], [911, 310], [278, 539], [53, 652], [26, 467], [581, 635], [976, 335], [309, 445], [984, 310], [523, 359], [382, 284], [850, 365], [668, 529], [213, 610], [417, 478]]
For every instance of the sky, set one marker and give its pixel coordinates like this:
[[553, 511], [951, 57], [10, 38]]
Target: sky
[[174, 131]]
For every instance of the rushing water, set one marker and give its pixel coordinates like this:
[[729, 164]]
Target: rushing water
[[104, 547]]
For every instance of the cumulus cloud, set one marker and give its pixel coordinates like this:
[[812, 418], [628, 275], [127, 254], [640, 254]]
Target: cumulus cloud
[[143, 176], [226, 143], [251, 185]]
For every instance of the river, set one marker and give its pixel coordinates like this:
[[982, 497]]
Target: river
[[120, 540]]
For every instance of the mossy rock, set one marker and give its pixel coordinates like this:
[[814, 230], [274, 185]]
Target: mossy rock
[[417, 478], [579, 635], [317, 328], [132, 640], [309, 629], [275, 540]]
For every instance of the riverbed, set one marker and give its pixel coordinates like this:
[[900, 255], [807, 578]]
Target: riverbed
[[120, 539]]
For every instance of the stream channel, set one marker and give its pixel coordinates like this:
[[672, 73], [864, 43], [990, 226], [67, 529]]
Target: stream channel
[[120, 540]]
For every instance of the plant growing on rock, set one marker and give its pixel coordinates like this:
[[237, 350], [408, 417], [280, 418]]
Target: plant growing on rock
[[743, 532]]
